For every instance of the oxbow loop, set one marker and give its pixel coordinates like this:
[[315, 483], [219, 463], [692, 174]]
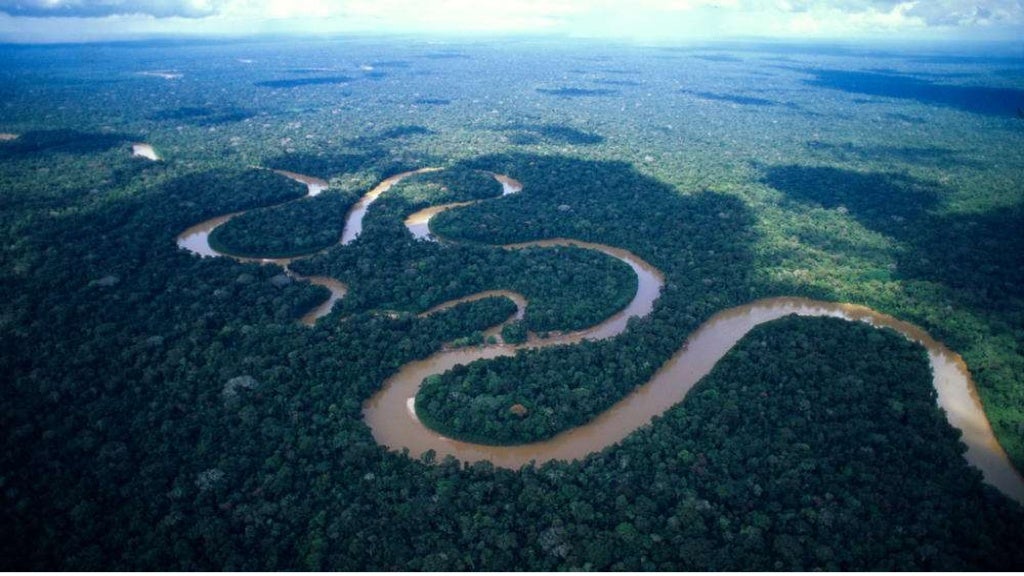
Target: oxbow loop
[[391, 413]]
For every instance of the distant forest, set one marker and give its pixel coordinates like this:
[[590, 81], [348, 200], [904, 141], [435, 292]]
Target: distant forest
[[164, 411]]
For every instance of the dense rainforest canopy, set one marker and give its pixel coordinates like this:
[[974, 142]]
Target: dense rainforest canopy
[[163, 411]]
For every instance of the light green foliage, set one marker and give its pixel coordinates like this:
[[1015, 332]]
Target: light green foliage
[[760, 171]]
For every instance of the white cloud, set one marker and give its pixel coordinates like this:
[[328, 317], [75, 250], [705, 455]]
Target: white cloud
[[685, 5], [671, 19], [850, 17], [464, 15], [928, 12], [282, 9], [978, 13], [101, 8]]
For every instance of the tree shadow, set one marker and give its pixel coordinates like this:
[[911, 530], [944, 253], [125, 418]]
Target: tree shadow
[[432, 101], [299, 82], [202, 116], [976, 99], [447, 56], [731, 98], [906, 118], [701, 242], [405, 131], [324, 165], [612, 82], [308, 70], [552, 134], [364, 153], [979, 257], [577, 92], [916, 155], [66, 141], [392, 64], [688, 237], [717, 58]]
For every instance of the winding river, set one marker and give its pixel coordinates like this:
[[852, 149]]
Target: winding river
[[418, 223], [196, 240], [391, 414]]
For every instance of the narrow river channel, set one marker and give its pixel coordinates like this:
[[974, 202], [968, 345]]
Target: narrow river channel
[[391, 412]]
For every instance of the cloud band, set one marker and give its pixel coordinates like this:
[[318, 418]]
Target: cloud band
[[102, 8]]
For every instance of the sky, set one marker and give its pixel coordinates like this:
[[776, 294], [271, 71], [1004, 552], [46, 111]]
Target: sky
[[638, 20]]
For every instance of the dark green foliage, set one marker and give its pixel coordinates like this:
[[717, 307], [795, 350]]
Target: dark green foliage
[[327, 165], [474, 339], [447, 56], [977, 99], [432, 101], [164, 335], [577, 92], [563, 388], [552, 133], [617, 82], [718, 58], [392, 64], [524, 138], [165, 412], [472, 402], [405, 132], [731, 98], [817, 444], [451, 185], [514, 333], [980, 257], [200, 116], [62, 141], [292, 229], [568, 288], [919, 155], [300, 82]]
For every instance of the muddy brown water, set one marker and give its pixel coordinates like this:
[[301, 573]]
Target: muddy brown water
[[354, 219], [391, 412], [392, 418], [314, 185], [196, 239], [418, 223]]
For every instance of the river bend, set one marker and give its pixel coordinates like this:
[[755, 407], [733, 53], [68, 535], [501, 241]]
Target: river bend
[[391, 413]]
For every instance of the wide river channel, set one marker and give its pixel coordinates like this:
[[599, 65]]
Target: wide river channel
[[391, 413]]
